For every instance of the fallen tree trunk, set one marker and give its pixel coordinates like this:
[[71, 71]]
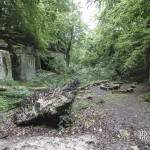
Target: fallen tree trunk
[[46, 104]]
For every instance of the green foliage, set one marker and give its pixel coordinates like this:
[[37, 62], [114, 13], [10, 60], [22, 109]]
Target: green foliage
[[50, 80], [12, 97], [80, 105], [48, 25], [84, 74], [39, 20], [7, 103], [9, 83], [119, 46], [16, 93], [122, 37], [135, 61], [147, 97]]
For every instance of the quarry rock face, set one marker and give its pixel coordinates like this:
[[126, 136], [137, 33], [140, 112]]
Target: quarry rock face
[[27, 65], [5, 66], [23, 62], [18, 62]]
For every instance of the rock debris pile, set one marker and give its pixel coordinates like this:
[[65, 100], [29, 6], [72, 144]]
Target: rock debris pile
[[46, 106]]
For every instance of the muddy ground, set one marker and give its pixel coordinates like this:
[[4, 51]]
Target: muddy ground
[[103, 121]]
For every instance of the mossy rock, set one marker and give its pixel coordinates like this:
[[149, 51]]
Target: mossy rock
[[147, 97]]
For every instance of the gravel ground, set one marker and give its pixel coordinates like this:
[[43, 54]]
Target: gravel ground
[[108, 122], [49, 143]]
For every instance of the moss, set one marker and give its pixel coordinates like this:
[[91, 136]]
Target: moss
[[115, 98], [147, 97], [81, 105], [12, 98], [7, 103], [49, 80]]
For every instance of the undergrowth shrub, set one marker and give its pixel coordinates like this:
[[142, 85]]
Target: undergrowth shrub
[[12, 98], [147, 97]]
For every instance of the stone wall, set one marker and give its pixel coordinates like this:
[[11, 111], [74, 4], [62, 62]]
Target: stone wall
[[5, 66]]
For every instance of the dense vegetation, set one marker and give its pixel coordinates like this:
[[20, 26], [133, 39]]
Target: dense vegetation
[[46, 25], [119, 46], [117, 49], [122, 38]]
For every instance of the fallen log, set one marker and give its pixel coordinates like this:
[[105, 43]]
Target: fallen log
[[95, 83], [123, 91], [109, 86]]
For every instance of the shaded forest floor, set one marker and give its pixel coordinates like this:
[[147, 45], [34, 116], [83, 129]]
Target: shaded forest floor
[[103, 121]]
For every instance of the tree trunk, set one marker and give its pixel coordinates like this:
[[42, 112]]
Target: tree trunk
[[37, 63], [68, 54], [148, 64], [69, 48]]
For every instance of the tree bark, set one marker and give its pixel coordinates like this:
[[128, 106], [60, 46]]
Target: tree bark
[[148, 64], [69, 48]]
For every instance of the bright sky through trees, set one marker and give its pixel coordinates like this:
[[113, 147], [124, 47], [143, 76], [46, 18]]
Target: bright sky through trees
[[89, 12]]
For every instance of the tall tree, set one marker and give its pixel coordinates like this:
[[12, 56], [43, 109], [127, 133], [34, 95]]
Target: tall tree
[[124, 35]]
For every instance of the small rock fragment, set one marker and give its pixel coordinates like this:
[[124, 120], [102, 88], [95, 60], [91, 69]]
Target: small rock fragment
[[130, 90], [135, 147], [100, 130], [124, 133], [133, 86]]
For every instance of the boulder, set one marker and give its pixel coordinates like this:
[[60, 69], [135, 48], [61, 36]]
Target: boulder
[[5, 66], [109, 86], [124, 133], [3, 44], [47, 105]]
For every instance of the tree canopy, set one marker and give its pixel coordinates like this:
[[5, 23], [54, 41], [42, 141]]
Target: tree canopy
[[123, 36], [120, 42]]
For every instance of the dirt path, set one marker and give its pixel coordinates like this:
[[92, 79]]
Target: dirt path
[[104, 121], [49, 143], [127, 122]]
